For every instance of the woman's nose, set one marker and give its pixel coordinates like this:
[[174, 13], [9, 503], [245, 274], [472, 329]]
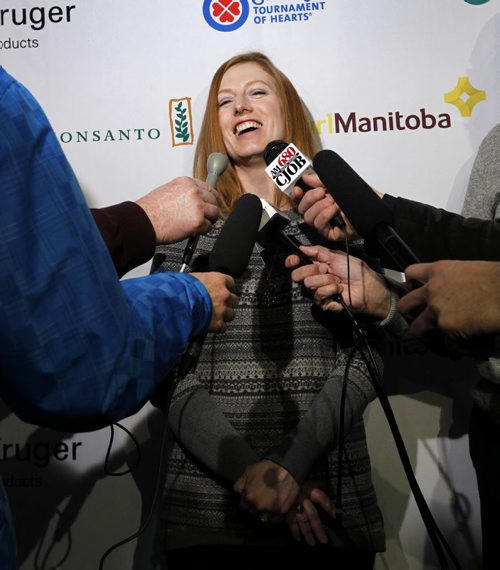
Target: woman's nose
[[242, 105]]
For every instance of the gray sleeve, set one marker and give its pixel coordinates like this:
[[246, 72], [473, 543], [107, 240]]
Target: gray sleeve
[[318, 430], [483, 193], [200, 426]]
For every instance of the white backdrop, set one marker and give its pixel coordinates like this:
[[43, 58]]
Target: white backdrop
[[110, 75]]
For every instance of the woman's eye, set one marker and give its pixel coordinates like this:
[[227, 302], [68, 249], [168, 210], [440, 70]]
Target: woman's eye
[[259, 92], [224, 103]]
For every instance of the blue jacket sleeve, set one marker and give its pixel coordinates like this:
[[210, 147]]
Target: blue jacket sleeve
[[78, 349]]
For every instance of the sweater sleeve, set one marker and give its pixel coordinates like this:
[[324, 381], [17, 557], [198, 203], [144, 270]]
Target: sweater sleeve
[[483, 192], [201, 427], [318, 430]]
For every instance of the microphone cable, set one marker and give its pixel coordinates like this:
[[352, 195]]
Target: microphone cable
[[372, 218], [362, 345], [242, 223], [110, 445], [45, 561], [154, 501]]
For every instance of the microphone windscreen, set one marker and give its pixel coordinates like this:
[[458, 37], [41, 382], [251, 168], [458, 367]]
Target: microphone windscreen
[[216, 165], [273, 149], [233, 247], [362, 207]]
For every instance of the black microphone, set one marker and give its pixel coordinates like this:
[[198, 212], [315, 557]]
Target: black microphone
[[366, 211], [272, 152], [216, 164], [230, 255], [271, 229]]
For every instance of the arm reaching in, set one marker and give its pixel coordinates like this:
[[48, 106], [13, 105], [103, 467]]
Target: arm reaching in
[[329, 275], [170, 213], [462, 298], [221, 289], [183, 207], [318, 208]]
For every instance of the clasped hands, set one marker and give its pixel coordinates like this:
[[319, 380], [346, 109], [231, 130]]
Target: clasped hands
[[269, 491]]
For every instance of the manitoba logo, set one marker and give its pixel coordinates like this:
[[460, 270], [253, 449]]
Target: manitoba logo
[[225, 15], [464, 96]]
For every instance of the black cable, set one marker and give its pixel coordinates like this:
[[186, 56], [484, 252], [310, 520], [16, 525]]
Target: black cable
[[361, 343], [49, 550], [348, 269], [110, 445], [438, 540], [340, 446], [149, 516]]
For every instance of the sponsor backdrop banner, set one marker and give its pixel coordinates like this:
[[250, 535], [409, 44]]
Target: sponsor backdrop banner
[[403, 90]]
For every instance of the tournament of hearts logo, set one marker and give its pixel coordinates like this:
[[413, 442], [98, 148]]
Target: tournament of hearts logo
[[225, 15]]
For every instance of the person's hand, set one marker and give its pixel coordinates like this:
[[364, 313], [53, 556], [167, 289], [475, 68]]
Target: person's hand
[[181, 208], [328, 276], [303, 518], [462, 298], [317, 207], [267, 488], [221, 289]]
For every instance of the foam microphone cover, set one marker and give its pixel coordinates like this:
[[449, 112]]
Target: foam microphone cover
[[273, 149], [362, 207], [233, 247]]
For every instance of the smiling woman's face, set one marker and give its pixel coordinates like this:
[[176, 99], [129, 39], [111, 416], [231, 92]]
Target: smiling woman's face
[[250, 114]]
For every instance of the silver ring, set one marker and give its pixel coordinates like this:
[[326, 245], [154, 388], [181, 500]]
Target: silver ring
[[299, 508], [264, 518]]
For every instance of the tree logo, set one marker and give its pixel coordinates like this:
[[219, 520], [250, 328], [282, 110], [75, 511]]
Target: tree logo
[[181, 122]]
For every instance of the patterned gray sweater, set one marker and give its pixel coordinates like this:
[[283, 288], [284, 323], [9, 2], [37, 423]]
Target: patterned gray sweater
[[483, 201], [269, 387]]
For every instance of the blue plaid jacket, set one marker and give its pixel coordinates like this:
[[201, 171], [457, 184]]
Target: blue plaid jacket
[[78, 348]]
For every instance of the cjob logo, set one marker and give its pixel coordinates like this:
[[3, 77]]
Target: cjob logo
[[225, 15]]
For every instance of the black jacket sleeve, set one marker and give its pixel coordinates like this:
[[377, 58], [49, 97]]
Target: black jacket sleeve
[[127, 233], [433, 233]]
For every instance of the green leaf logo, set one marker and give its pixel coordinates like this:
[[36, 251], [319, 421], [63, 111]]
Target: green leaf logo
[[181, 122]]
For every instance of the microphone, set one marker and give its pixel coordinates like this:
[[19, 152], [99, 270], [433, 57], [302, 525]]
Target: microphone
[[366, 211], [216, 165], [285, 166], [230, 255], [271, 229]]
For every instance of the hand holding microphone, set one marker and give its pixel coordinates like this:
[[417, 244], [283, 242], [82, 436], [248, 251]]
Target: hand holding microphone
[[288, 167], [180, 208], [230, 256], [216, 164], [221, 289], [461, 298], [371, 217], [328, 277], [318, 208]]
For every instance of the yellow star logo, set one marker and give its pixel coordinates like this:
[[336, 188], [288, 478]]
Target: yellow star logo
[[464, 105]]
